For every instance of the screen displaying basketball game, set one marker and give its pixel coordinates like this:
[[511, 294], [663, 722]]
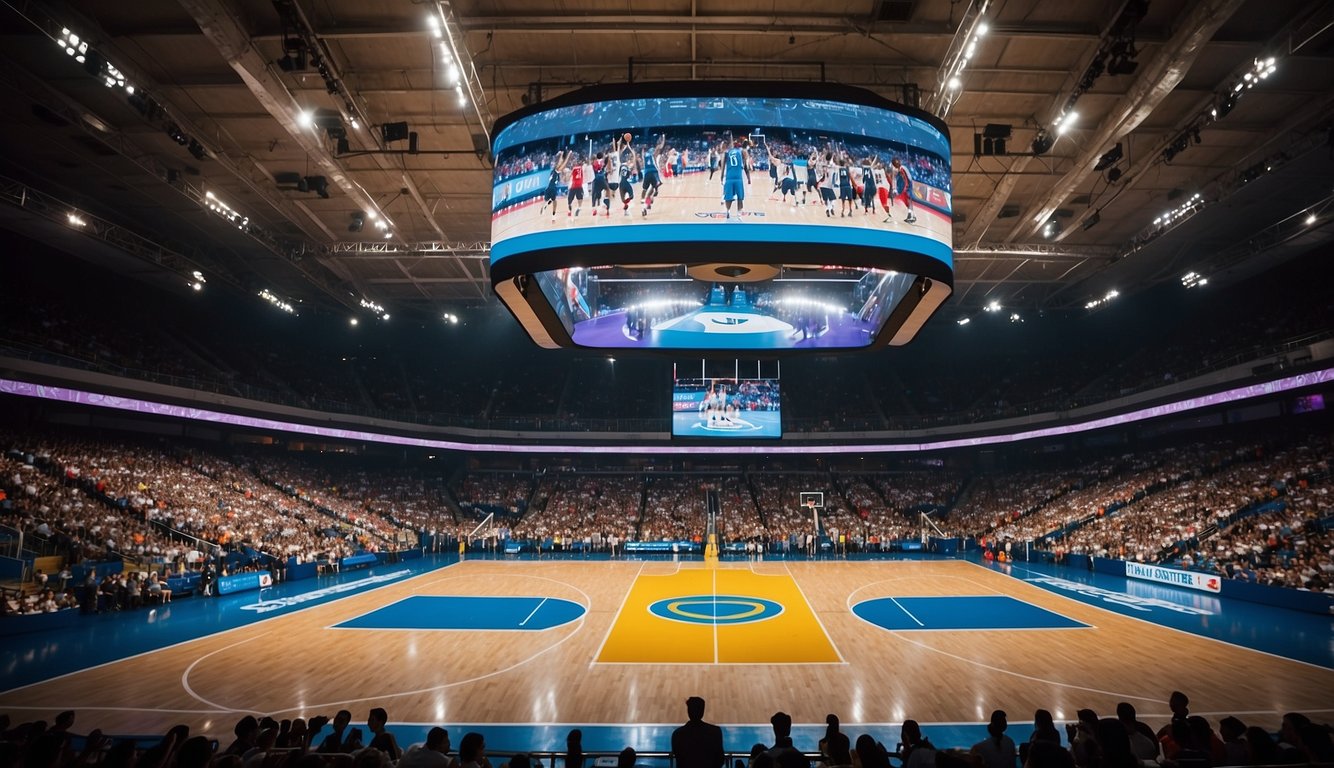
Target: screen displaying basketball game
[[613, 307], [726, 408], [722, 221]]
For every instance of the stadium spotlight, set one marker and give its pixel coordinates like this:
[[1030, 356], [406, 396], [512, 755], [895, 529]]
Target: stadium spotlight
[[1310, 219], [955, 83], [1052, 228], [306, 118], [196, 280], [982, 28], [1065, 122], [1042, 142], [993, 306], [451, 318], [1193, 279], [1095, 303], [358, 221], [268, 296], [73, 45], [964, 320], [1015, 318], [75, 220], [352, 321]]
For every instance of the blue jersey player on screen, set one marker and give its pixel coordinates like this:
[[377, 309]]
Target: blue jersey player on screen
[[653, 157], [736, 168]]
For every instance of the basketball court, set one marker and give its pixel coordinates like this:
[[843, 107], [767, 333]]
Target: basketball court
[[534, 646]]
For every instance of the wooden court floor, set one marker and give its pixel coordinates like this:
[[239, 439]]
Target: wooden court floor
[[787, 639]]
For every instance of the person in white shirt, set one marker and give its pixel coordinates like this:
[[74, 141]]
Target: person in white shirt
[[432, 754]]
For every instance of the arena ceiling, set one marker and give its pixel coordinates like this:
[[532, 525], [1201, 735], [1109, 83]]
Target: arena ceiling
[[217, 114]]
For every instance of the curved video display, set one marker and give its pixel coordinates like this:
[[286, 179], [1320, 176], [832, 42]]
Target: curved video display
[[721, 220]]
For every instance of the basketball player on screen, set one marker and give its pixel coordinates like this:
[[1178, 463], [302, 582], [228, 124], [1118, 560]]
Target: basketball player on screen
[[623, 184], [709, 406], [882, 185], [843, 178], [600, 195], [549, 197], [773, 169], [652, 181], [902, 182], [613, 169], [827, 173], [576, 191], [736, 167], [812, 176], [788, 184], [868, 186]]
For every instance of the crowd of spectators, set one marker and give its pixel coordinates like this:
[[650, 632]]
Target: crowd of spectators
[[1115, 740], [999, 498], [1199, 518], [598, 510], [173, 508]]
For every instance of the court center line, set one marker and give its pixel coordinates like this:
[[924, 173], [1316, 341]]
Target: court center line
[[905, 610], [715, 615], [534, 611]]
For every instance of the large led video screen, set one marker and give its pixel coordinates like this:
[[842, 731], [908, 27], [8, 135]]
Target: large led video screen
[[777, 209], [610, 307], [726, 408]]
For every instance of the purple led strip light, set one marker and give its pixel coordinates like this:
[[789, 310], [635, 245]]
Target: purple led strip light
[[66, 395]]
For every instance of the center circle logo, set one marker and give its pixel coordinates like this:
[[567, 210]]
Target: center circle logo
[[715, 609]]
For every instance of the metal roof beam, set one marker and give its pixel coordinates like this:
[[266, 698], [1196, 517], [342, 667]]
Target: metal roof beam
[[1156, 80]]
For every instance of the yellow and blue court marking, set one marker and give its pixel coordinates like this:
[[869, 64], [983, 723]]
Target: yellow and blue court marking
[[958, 612], [717, 616], [466, 612]]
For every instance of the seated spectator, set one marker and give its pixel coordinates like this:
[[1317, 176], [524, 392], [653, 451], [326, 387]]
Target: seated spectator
[[434, 753], [998, 750], [382, 739]]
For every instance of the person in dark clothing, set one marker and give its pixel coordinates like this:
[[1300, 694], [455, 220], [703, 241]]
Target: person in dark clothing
[[698, 744]]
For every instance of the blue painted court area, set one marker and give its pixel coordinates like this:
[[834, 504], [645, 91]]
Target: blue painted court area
[[467, 612], [107, 637], [1291, 634], [959, 613]]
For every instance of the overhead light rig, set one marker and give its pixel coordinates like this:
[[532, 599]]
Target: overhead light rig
[[302, 49], [963, 48], [446, 30], [187, 266], [1225, 100], [1115, 56]]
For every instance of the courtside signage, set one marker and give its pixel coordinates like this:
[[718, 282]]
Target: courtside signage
[[1206, 582]]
